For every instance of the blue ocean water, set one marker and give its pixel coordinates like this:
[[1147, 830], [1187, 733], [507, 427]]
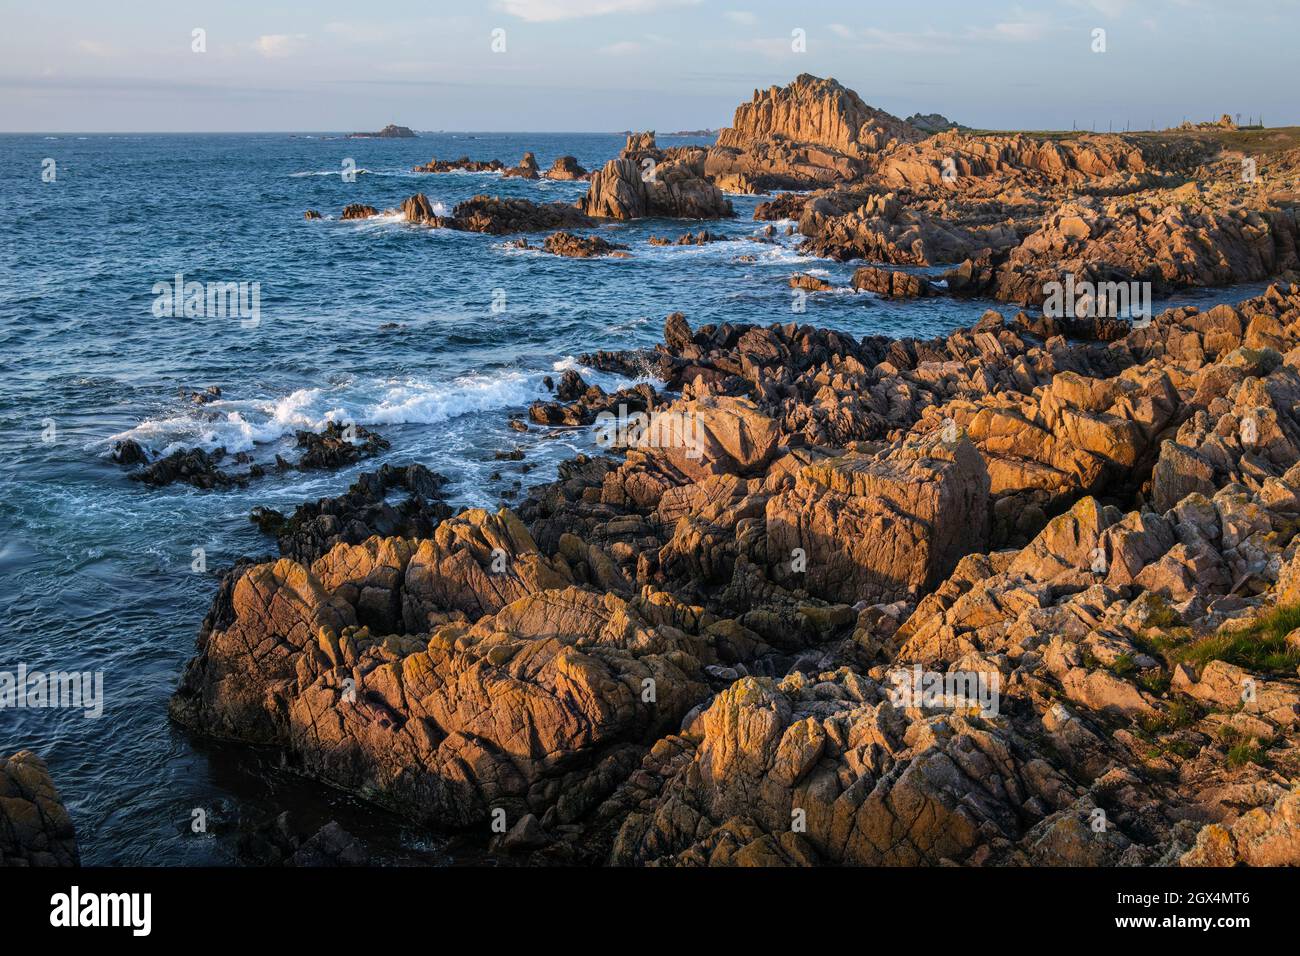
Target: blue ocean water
[[375, 321]]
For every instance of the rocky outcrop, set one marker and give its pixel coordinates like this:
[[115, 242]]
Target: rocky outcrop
[[826, 769], [337, 446], [809, 282], [566, 168], [277, 843], [701, 237], [497, 216], [879, 528], [35, 829], [579, 403], [960, 161], [527, 168], [1170, 246], [816, 111], [933, 123], [1266, 836], [880, 227], [891, 283], [670, 188], [418, 209], [575, 684], [812, 133], [462, 165], [582, 247], [363, 511]]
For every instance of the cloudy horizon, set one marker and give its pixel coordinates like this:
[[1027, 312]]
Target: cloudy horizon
[[605, 65]]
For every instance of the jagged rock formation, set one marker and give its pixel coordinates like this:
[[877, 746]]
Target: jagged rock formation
[[646, 181], [35, 829], [816, 111], [363, 510], [813, 132], [1175, 245]]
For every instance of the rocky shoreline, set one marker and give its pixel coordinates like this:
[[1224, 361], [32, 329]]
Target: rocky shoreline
[[690, 653], [1026, 594]]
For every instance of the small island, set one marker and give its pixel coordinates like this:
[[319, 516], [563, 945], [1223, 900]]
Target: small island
[[391, 131]]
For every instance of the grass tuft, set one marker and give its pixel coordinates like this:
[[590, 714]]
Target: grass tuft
[[1261, 647]]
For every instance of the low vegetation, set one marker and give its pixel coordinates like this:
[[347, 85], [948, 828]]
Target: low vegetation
[[1261, 647]]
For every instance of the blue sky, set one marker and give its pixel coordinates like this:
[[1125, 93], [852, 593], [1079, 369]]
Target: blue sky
[[617, 64]]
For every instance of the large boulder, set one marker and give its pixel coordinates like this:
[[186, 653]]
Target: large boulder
[[625, 189], [877, 529], [514, 713], [35, 829]]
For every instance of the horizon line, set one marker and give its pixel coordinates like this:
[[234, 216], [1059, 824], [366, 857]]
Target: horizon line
[[350, 135]]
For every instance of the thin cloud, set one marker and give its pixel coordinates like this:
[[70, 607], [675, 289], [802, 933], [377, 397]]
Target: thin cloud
[[540, 11], [274, 45], [939, 41], [1016, 32], [928, 41]]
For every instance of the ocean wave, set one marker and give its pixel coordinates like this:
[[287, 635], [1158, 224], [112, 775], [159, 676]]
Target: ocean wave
[[243, 424], [763, 253], [609, 381], [334, 172], [392, 217]]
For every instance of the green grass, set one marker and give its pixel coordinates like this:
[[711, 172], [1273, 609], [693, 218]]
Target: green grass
[[1260, 648], [1181, 712], [1242, 750], [1160, 613], [1243, 753], [1154, 681], [1123, 665]]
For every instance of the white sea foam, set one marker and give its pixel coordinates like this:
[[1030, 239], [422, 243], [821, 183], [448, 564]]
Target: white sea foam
[[393, 217], [334, 172], [609, 381], [763, 253], [241, 424]]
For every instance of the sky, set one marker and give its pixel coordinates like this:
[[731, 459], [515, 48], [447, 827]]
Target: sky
[[607, 65]]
